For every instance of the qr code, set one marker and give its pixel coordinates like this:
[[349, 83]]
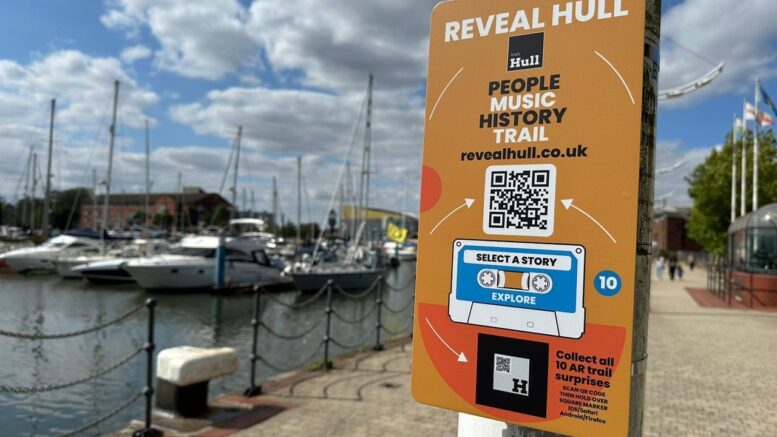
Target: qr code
[[520, 200], [502, 364]]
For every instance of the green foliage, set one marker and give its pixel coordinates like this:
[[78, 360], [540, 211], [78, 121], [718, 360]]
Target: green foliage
[[65, 204], [710, 189]]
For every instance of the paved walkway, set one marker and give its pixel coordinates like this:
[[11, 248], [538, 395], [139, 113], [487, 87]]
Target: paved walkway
[[711, 372], [370, 397]]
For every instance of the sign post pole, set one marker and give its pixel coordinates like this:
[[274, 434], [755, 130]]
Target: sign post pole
[[533, 295]]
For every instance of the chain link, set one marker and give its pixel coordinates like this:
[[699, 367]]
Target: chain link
[[297, 305], [53, 387], [360, 343], [354, 321], [395, 288], [388, 308], [402, 330], [292, 336], [361, 294], [105, 417], [119, 319], [286, 369]]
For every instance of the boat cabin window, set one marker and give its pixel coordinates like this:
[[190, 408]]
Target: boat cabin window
[[194, 251], [261, 258], [238, 255]]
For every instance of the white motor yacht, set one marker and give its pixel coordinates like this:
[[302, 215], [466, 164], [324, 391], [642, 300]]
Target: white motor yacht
[[192, 264], [108, 268], [40, 259]]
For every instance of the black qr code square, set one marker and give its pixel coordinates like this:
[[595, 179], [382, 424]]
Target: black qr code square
[[502, 364], [520, 200]]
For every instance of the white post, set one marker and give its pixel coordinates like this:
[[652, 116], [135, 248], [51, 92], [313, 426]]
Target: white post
[[743, 193], [755, 147], [734, 171]]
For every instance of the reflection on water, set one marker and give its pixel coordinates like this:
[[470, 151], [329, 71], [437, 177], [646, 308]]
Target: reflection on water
[[47, 304]]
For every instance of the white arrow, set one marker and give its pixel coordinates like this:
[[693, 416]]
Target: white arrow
[[462, 357], [568, 203], [467, 202]]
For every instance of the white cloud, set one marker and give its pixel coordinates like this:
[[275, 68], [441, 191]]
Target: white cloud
[[281, 124], [135, 53], [672, 185], [337, 42], [333, 45], [197, 38], [83, 88], [739, 33]]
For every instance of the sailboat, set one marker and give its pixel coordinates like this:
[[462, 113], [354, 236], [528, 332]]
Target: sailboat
[[355, 267], [67, 260]]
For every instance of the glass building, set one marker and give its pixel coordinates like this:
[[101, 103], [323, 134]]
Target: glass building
[[753, 241]]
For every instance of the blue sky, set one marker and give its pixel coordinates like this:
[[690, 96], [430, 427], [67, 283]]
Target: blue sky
[[198, 68]]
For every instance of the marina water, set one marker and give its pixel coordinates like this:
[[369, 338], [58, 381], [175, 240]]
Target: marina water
[[48, 304]]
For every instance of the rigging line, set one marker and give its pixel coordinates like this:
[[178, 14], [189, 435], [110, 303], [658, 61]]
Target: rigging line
[[307, 201], [696, 55], [89, 160], [339, 178]]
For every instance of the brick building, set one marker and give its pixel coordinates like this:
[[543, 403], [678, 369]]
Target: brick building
[[124, 210], [669, 234]]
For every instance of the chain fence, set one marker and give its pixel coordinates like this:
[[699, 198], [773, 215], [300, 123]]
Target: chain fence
[[374, 293], [148, 348]]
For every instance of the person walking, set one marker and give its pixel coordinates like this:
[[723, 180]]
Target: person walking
[[660, 265], [672, 267], [691, 262]]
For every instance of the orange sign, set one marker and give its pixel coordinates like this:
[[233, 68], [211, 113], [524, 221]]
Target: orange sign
[[526, 255]]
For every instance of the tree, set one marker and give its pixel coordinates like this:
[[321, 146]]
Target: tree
[[710, 189], [66, 207]]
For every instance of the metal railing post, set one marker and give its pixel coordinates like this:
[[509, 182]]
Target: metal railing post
[[379, 323], [148, 390], [328, 312], [253, 389]]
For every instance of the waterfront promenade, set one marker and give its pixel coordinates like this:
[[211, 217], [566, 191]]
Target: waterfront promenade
[[712, 371]]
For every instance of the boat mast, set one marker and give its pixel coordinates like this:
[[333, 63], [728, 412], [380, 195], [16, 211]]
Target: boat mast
[[112, 132], [234, 181], [94, 199], [275, 205], [26, 203], [299, 200], [47, 197], [364, 188], [179, 206], [34, 188], [404, 201], [148, 181]]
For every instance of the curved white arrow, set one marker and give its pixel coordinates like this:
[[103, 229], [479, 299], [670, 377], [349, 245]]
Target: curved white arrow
[[568, 203], [467, 202], [462, 357]]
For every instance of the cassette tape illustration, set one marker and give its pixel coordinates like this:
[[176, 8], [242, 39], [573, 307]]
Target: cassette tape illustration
[[527, 287]]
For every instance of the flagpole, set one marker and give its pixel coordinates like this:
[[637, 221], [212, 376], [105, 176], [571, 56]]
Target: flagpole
[[742, 210], [734, 171], [755, 148]]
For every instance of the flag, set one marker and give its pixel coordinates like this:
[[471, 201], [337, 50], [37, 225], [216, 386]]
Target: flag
[[396, 233], [749, 111], [769, 102], [765, 119], [739, 126]]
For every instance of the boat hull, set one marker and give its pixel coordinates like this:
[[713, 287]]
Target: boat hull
[[165, 275], [351, 280]]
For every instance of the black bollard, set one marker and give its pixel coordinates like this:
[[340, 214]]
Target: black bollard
[[148, 391], [253, 389]]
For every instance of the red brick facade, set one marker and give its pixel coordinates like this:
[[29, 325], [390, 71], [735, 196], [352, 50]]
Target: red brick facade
[[123, 208]]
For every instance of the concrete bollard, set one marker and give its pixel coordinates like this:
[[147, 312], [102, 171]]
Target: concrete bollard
[[183, 374]]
